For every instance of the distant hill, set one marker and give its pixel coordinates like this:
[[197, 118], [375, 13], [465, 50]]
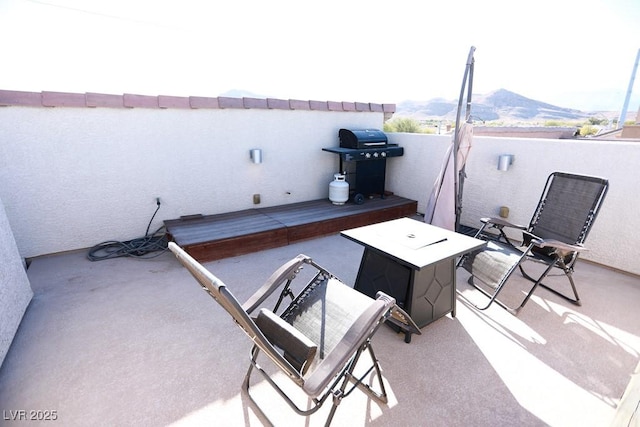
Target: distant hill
[[502, 105]]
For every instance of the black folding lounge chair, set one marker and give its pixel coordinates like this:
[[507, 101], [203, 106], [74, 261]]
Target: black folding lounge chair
[[318, 338], [555, 236]]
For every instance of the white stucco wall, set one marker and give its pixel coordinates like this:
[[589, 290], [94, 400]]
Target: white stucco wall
[[74, 177], [15, 290], [614, 239]]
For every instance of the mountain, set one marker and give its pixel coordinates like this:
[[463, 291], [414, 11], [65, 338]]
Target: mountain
[[502, 105]]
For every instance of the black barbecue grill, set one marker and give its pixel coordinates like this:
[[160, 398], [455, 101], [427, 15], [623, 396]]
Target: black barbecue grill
[[363, 158]]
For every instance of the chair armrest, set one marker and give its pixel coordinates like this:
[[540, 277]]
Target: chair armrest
[[501, 223], [563, 248], [286, 272]]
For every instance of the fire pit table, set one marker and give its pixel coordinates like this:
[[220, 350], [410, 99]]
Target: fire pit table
[[413, 262]]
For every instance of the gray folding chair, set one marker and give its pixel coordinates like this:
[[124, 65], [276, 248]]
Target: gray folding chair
[[318, 338], [555, 236]]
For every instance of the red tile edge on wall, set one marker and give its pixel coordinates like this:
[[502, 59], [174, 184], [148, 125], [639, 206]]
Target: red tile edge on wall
[[95, 100]]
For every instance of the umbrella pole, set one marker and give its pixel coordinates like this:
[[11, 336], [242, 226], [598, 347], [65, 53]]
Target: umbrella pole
[[467, 82]]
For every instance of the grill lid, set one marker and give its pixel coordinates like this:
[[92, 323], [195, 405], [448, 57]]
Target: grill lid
[[362, 138]]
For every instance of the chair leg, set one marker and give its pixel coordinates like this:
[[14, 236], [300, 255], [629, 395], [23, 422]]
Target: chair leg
[[537, 282], [576, 298], [317, 403], [492, 298], [247, 379], [568, 271], [380, 396], [337, 393]]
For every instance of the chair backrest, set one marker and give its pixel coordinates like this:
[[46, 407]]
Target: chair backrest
[[218, 290], [363, 321], [568, 207]]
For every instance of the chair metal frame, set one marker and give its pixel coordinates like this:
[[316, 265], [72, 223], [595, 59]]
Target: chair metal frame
[[544, 246], [332, 372]]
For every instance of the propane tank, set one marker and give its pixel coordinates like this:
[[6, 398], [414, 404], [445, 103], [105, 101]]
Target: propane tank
[[339, 189]]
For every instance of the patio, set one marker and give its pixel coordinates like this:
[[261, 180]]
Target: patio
[[136, 342], [133, 342]]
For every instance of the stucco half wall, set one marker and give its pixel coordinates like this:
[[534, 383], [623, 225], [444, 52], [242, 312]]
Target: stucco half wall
[[15, 290]]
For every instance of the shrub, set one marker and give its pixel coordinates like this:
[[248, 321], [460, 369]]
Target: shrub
[[587, 130], [403, 124], [598, 121]]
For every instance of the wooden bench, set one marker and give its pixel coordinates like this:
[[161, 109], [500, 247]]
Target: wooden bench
[[211, 237]]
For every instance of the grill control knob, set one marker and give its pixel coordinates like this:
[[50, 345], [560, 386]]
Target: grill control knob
[[367, 155], [375, 154], [383, 154]]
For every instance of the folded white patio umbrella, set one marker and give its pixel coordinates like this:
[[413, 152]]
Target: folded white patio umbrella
[[441, 207], [445, 202]]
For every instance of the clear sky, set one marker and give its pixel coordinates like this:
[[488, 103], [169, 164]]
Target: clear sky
[[572, 53]]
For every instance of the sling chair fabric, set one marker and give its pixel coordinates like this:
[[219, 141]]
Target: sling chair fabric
[[318, 338], [555, 236]]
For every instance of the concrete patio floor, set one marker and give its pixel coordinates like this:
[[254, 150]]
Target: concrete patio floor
[[135, 342]]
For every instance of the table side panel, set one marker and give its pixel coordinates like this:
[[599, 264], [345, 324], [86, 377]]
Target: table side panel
[[434, 292]]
